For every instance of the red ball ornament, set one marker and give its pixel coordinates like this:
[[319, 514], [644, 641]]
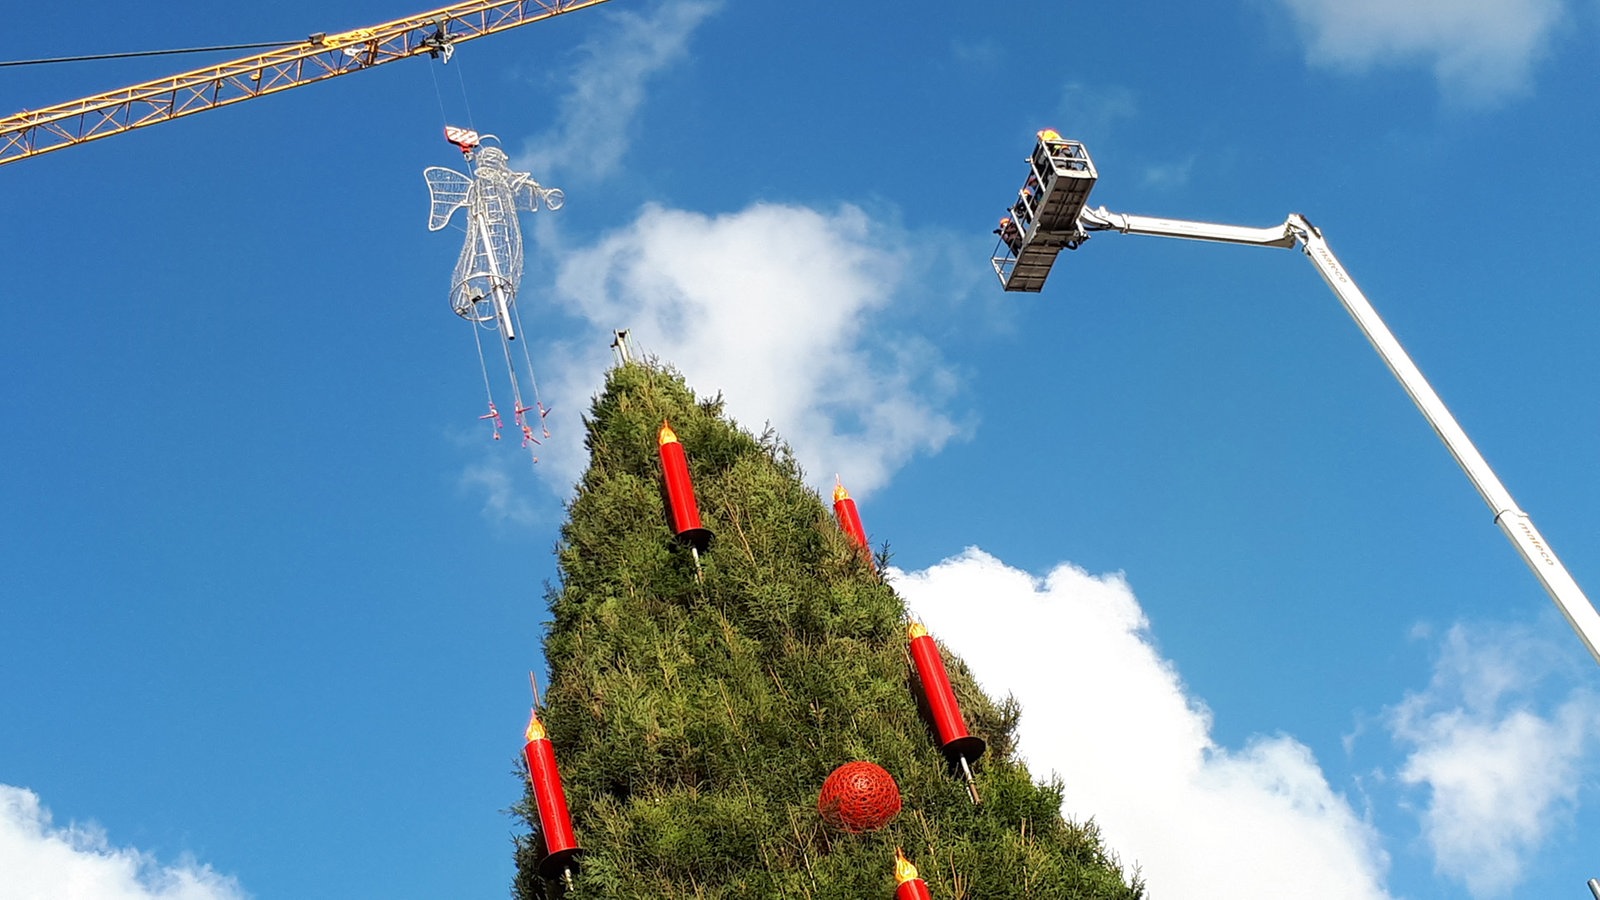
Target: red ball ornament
[[858, 797]]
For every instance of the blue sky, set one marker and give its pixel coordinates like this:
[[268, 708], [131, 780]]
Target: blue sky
[[268, 592]]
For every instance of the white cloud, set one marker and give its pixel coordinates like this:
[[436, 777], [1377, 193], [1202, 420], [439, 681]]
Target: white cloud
[[607, 88], [41, 861], [1498, 774], [1169, 175], [1103, 709], [779, 308], [1481, 51], [1095, 109], [502, 501], [985, 52]]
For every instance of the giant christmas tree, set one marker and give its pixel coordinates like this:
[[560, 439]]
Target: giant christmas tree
[[696, 713]]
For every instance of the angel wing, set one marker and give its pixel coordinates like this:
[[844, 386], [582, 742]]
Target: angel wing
[[448, 190]]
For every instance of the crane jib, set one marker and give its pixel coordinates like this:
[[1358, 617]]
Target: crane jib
[[319, 57]]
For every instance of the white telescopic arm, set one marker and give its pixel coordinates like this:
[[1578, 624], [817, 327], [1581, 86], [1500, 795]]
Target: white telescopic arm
[[1103, 220], [1568, 597]]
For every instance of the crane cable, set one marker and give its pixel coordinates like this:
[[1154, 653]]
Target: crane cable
[[461, 80], [533, 379], [137, 53], [477, 339], [494, 413]]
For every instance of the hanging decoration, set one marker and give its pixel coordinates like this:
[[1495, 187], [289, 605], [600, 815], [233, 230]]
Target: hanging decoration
[[483, 289], [908, 885], [959, 747], [858, 797], [555, 823]]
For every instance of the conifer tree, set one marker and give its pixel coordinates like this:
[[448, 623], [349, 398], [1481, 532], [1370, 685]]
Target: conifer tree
[[696, 718]]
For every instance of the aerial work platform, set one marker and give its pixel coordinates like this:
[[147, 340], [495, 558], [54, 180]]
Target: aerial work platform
[[1027, 268], [1045, 215], [1067, 173]]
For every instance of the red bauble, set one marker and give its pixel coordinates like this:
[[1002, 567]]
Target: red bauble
[[859, 796]]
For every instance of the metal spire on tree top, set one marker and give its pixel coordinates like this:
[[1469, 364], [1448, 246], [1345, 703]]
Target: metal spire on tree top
[[483, 289], [619, 343]]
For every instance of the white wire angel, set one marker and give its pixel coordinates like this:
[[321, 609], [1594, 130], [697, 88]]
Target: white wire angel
[[490, 267], [483, 289]]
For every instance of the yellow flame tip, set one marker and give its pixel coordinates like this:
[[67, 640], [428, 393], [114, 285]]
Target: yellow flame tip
[[535, 730], [904, 871]]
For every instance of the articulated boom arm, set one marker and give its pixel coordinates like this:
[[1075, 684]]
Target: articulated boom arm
[[321, 56], [1515, 523], [1103, 220]]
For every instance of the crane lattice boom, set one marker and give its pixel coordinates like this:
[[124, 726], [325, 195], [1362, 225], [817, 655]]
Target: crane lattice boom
[[321, 56]]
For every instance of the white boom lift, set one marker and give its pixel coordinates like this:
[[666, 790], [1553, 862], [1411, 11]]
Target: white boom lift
[[1055, 204]]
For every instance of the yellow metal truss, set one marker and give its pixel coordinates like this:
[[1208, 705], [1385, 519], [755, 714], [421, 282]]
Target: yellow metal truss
[[321, 56]]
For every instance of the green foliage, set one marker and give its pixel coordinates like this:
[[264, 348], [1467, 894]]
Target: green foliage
[[696, 720]]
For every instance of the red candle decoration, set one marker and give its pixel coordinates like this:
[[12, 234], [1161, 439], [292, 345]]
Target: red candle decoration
[[555, 822], [907, 885], [954, 740], [680, 491], [844, 509], [859, 796]]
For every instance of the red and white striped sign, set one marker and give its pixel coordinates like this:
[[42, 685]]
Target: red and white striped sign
[[465, 138]]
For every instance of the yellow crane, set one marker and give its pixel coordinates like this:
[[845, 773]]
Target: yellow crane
[[319, 57]]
